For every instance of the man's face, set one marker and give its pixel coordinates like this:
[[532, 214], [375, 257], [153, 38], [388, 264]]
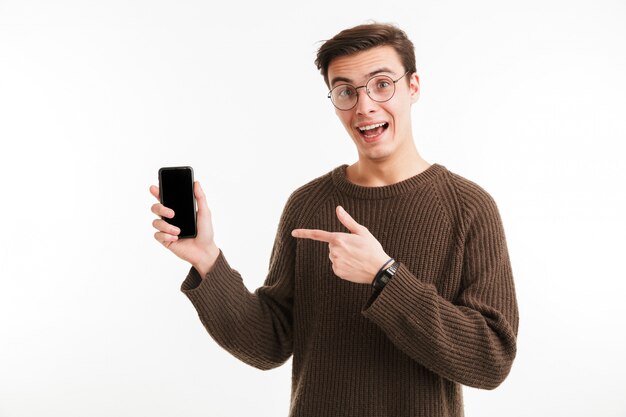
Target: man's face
[[392, 118]]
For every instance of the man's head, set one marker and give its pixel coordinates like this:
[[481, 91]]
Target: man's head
[[370, 70], [361, 38]]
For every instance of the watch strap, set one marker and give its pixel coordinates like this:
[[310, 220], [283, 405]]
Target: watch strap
[[384, 275]]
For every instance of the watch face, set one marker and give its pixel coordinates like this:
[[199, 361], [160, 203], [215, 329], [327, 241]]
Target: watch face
[[383, 277]]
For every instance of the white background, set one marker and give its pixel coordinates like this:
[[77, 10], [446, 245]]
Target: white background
[[527, 99]]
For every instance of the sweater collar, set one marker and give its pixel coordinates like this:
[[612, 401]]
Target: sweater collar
[[410, 184]]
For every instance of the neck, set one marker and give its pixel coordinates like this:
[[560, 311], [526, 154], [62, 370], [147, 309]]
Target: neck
[[387, 171]]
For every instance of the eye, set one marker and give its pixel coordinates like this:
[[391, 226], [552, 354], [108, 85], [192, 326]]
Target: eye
[[344, 91], [382, 84]]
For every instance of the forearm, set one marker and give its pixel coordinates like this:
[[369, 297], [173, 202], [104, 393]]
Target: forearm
[[474, 346], [255, 328]]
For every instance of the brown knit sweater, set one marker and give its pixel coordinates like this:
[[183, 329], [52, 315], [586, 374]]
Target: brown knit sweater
[[448, 317]]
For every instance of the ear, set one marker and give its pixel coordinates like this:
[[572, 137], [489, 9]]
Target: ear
[[414, 87]]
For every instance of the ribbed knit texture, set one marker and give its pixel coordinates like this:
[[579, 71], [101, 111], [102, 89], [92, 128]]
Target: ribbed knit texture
[[448, 317]]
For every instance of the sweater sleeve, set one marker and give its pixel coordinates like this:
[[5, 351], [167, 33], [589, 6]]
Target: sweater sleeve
[[472, 340], [254, 327]]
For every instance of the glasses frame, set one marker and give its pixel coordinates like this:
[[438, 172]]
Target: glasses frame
[[367, 91]]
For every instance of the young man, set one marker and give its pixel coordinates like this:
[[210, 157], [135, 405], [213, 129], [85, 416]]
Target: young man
[[389, 281]]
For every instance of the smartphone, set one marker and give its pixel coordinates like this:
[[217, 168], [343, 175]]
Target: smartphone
[[176, 192]]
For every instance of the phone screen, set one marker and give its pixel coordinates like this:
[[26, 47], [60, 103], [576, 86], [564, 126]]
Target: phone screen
[[176, 192]]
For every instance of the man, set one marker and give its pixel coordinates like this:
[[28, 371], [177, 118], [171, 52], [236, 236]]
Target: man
[[389, 281]]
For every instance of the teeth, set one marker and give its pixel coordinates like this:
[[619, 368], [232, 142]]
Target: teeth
[[370, 127]]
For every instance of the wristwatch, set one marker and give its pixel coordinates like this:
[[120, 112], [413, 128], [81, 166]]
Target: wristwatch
[[384, 276]]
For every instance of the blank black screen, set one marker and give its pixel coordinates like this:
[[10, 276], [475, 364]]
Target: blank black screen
[[176, 188]]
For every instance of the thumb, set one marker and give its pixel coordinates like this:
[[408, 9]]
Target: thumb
[[200, 198], [348, 221]]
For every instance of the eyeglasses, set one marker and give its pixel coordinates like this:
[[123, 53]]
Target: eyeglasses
[[379, 88]]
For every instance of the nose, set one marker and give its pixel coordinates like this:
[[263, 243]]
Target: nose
[[364, 103]]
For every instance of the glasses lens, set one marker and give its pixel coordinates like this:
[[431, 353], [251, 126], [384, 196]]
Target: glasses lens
[[344, 96], [381, 88]]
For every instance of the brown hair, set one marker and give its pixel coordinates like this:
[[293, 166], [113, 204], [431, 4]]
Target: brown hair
[[364, 37]]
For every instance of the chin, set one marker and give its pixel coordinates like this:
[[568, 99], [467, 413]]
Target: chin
[[375, 154]]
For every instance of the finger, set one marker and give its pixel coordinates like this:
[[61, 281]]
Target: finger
[[320, 235], [154, 190], [200, 196], [165, 238], [204, 214], [332, 255], [348, 221], [160, 210], [163, 226]]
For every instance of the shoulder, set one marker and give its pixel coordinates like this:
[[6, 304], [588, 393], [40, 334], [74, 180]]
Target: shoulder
[[471, 194], [469, 200], [311, 189]]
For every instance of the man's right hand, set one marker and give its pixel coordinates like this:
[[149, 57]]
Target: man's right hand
[[201, 251]]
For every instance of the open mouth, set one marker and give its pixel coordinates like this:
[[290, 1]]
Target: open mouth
[[372, 131]]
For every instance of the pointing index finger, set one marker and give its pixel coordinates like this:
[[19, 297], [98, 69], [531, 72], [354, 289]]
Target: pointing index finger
[[314, 234]]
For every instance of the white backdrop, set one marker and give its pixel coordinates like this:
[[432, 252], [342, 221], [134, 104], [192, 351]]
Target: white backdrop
[[525, 98]]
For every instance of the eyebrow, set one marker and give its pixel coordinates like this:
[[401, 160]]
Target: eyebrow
[[370, 75]]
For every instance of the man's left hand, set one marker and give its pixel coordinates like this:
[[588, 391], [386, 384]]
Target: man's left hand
[[356, 256]]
